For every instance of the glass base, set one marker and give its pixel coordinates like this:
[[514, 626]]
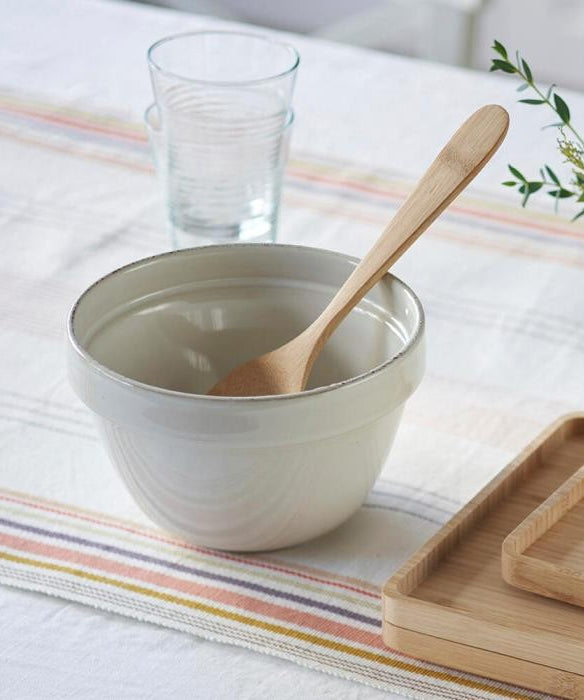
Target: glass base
[[257, 230]]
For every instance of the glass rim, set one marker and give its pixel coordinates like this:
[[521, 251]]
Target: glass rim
[[289, 120], [222, 83]]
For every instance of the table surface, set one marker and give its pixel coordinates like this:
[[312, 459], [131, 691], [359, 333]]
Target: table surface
[[372, 109]]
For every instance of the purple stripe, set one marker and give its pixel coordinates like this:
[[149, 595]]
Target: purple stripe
[[116, 141], [258, 588], [380, 200], [393, 509], [77, 133]]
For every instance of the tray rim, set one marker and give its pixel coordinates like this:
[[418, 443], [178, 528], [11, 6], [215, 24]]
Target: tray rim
[[402, 611], [484, 663]]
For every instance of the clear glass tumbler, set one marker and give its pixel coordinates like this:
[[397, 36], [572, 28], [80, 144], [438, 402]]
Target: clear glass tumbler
[[223, 123], [186, 239]]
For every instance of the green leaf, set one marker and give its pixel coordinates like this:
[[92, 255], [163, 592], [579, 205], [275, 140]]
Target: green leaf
[[509, 183], [528, 189], [526, 192], [562, 109], [561, 193], [499, 48], [533, 102], [551, 126], [550, 89], [527, 71], [578, 215], [517, 174], [552, 175], [565, 193], [581, 198], [505, 66], [523, 87], [579, 177]]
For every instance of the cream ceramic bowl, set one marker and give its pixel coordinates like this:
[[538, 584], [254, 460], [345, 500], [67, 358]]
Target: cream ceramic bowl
[[148, 340]]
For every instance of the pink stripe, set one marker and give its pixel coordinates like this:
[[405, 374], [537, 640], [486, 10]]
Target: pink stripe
[[224, 597], [186, 545], [342, 182], [81, 125], [398, 196]]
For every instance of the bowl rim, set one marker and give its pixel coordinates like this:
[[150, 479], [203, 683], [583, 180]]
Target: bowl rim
[[111, 374]]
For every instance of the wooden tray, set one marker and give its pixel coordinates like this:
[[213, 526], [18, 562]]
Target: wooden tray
[[450, 605], [545, 553]]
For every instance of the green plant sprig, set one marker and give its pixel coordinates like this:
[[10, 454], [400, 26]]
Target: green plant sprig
[[572, 148]]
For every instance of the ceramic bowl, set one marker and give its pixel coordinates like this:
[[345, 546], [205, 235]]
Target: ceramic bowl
[[148, 340]]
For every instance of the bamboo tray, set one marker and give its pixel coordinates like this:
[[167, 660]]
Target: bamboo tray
[[450, 605], [545, 553]]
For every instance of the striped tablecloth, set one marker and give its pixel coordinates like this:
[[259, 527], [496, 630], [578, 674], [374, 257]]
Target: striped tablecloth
[[504, 294]]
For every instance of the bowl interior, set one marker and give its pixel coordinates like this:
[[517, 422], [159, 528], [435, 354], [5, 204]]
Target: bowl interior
[[183, 320]]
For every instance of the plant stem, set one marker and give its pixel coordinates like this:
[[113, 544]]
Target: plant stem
[[549, 103]]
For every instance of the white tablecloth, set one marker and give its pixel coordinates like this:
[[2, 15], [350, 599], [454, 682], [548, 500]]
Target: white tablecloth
[[371, 109]]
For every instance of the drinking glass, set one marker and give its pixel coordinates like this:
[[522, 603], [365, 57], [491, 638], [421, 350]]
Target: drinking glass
[[186, 239], [223, 113]]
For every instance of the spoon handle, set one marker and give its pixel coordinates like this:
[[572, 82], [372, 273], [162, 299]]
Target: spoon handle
[[456, 165]]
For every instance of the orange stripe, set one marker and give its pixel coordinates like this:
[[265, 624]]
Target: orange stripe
[[87, 122], [132, 133], [218, 595], [332, 210], [93, 518], [267, 626], [399, 196], [141, 167], [439, 231], [10, 101]]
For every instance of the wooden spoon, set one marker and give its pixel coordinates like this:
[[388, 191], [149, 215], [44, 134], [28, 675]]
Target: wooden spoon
[[286, 369]]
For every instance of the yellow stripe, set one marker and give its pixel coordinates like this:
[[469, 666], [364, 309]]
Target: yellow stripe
[[261, 624], [188, 556], [108, 159], [339, 171], [142, 531], [520, 217], [55, 108]]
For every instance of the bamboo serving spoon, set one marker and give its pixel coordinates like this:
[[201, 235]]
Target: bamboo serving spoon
[[286, 369]]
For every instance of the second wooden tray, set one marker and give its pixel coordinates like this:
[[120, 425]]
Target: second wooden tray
[[545, 553], [450, 605]]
